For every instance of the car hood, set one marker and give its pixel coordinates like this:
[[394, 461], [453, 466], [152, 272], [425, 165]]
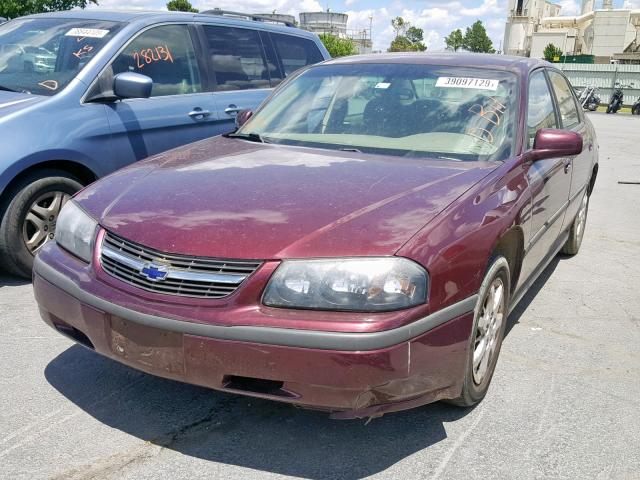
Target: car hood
[[11, 102], [236, 199]]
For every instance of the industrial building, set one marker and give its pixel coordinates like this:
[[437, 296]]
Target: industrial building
[[336, 24], [605, 35]]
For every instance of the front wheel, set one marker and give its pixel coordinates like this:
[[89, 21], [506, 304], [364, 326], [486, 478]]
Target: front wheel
[[576, 231], [636, 110], [489, 323], [29, 220]]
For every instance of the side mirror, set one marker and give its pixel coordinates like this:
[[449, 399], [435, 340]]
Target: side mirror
[[132, 85], [552, 143], [243, 117]]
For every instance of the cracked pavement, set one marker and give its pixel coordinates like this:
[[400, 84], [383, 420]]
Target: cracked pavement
[[564, 400]]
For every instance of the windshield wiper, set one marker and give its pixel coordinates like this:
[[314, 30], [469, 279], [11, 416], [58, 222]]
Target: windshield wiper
[[7, 89], [350, 149], [252, 137]]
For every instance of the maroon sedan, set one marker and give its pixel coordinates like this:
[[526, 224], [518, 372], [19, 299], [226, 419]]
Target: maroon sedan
[[356, 246]]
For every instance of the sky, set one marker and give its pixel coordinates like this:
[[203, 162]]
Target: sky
[[436, 17]]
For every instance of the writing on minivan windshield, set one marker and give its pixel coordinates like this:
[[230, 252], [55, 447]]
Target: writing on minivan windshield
[[42, 55], [395, 109]]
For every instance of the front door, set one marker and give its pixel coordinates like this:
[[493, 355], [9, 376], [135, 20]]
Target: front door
[[179, 110], [549, 179]]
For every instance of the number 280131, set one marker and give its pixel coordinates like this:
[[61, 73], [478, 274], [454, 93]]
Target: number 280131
[[146, 56]]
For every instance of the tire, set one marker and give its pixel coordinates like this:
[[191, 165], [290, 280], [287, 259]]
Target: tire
[[609, 108], [636, 110], [37, 197], [475, 385], [592, 107], [576, 231]]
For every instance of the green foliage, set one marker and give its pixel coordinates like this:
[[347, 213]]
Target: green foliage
[[338, 47], [408, 38], [551, 51], [477, 40], [181, 6], [18, 8], [455, 40]]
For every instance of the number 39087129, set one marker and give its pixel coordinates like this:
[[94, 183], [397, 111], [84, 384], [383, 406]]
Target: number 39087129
[[146, 56]]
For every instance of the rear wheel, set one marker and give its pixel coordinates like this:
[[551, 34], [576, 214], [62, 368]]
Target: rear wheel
[[576, 232], [490, 319], [636, 110], [29, 220]]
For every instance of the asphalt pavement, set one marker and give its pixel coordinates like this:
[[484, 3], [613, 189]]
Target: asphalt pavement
[[564, 402]]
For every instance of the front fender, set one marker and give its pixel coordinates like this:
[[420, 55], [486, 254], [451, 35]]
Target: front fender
[[457, 245]]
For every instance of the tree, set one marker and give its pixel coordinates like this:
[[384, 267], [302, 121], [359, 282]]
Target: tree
[[399, 25], [455, 40], [18, 8], [415, 36], [181, 6], [338, 47], [477, 40], [551, 52], [408, 38]]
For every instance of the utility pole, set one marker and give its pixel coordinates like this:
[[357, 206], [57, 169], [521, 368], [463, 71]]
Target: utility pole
[[371, 31]]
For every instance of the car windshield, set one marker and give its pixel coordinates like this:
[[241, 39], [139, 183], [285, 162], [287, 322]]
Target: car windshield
[[42, 55], [394, 109]]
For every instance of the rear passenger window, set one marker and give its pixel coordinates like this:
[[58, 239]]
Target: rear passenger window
[[295, 52], [566, 102], [237, 58], [166, 55], [540, 111]]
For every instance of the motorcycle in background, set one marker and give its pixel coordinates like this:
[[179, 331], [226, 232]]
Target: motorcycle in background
[[615, 103], [635, 110], [589, 98]]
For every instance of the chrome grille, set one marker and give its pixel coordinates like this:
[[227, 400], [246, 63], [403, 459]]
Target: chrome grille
[[182, 275]]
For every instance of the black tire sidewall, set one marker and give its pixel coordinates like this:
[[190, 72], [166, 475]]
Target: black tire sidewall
[[17, 258]]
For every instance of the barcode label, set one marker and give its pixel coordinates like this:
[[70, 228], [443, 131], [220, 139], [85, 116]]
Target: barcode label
[[466, 82]]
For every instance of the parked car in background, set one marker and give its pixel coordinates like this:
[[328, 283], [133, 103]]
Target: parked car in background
[[2, 19], [83, 93], [355, 247]]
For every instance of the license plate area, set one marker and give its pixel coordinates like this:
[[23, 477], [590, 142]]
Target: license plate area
[[153, 348]]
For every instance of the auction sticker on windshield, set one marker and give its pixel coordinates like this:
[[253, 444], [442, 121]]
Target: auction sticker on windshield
[[466, 82], [87, 32]]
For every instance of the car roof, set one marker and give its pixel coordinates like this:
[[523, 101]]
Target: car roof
[[454, 59], [156, 16]]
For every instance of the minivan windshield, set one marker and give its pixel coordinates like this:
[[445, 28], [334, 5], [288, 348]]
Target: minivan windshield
[[453, 113], [42, 55]]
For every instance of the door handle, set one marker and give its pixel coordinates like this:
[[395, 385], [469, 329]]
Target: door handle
[[199, 113], [232, 110]]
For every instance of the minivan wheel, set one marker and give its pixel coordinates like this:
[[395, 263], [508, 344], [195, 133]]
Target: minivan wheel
[[29, 220], [489, 323], [576, 231]]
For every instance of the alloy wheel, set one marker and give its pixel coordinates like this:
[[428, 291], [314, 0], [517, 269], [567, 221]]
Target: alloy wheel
[[39, 225], [488, 329], [581, 219]]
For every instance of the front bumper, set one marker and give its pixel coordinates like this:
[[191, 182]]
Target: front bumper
[[350, 374]]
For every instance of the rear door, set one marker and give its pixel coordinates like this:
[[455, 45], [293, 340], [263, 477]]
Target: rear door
[[240, 73], [179, 111]]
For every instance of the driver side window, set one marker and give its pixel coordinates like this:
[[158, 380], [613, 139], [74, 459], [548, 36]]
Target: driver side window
[[166, 55], [540, 111]]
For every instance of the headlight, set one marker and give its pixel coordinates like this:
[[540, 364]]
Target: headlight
[[76, 231], [353, 284]]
